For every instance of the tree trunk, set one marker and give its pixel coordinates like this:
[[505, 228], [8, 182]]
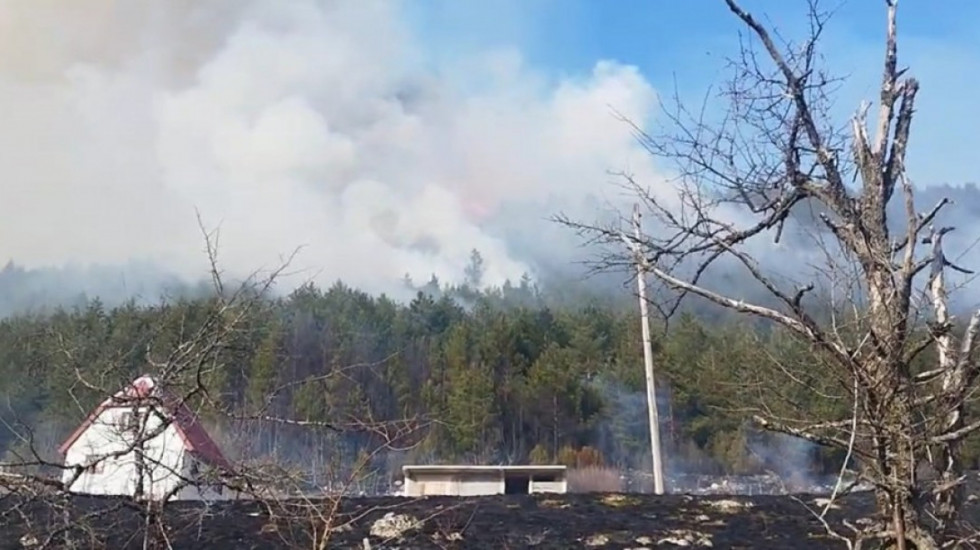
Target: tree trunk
[[948, 493]]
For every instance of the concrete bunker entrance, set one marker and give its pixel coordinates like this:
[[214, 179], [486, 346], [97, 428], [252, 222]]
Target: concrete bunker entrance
[[517, 484]]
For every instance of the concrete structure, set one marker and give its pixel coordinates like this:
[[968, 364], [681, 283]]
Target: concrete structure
[[144, 431], [483, 480]]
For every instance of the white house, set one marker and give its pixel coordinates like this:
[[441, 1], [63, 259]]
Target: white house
[[145, 429]]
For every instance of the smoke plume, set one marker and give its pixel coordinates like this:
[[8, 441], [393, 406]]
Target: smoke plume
[[311, 124], [319, 124]]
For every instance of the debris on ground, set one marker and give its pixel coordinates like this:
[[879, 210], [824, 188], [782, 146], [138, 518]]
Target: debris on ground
[[393, 526]]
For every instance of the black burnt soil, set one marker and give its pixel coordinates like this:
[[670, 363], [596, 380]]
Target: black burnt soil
[[543, 522]]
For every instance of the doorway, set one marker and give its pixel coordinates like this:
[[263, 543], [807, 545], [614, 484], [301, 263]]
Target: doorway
[[516, 484]]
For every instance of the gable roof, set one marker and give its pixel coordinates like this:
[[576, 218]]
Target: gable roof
[[193, 435]]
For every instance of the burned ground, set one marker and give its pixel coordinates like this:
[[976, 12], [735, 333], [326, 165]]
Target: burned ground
[[499, 522]]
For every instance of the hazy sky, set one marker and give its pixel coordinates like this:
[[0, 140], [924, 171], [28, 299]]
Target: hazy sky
[[385, 137]]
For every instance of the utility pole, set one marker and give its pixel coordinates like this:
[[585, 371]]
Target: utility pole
[[641, 268]]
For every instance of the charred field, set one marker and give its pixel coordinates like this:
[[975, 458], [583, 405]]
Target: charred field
[[546, 522]]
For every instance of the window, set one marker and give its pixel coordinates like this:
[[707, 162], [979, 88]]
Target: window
[[95, 464]]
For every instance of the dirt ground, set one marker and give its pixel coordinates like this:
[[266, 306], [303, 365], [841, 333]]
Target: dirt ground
[[544, 522]]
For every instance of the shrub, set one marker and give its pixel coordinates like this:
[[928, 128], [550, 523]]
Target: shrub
[[589, 457], [568, 456], [539, 455], [585, 457], [595, 480]]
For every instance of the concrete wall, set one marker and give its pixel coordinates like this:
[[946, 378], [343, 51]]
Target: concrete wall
[[166, 461], [475, 482], [454, 484], [428, 484], [479, 483], [560, 486]]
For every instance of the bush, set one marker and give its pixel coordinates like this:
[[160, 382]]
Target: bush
[[589, 457], [567, 456], [586, 457], [539, 455], [595, 480]]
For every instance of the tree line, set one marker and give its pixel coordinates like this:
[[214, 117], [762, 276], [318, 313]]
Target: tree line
[[502, 375]]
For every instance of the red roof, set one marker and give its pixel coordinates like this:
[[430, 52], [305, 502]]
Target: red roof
[[195, 438]]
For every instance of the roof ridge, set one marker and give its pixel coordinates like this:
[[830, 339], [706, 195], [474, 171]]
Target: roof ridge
[[194, 436]]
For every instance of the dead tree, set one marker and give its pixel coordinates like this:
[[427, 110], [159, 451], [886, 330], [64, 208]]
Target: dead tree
[[182, 367], [181, 364], [775, 158]]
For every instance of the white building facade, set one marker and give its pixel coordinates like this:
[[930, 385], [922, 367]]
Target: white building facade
[[143, 442], [463, 480]]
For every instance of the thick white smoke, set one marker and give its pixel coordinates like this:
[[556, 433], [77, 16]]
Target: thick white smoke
[[292, 123]]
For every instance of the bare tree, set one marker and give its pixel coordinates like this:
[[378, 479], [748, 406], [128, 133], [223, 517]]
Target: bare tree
[[775, 157], [187, 356]]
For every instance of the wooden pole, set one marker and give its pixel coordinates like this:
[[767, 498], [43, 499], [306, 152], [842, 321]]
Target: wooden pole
[[658, 471]]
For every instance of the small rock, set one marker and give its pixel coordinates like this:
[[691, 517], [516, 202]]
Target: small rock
[[447, 537], [597, 540], [682, 537], [535, 539], [393, 526], [822, 502], [729, 506]]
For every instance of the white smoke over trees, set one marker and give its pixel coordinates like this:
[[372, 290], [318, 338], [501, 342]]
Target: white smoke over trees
[[314, 123], [306, 123]]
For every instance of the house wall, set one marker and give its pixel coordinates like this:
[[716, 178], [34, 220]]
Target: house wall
[[200, 489], [117, 475]]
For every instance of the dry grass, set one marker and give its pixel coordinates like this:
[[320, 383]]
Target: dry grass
[[595, 480], [619, 501]]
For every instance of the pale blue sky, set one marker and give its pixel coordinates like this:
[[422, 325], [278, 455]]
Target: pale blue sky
[[689, 39]]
